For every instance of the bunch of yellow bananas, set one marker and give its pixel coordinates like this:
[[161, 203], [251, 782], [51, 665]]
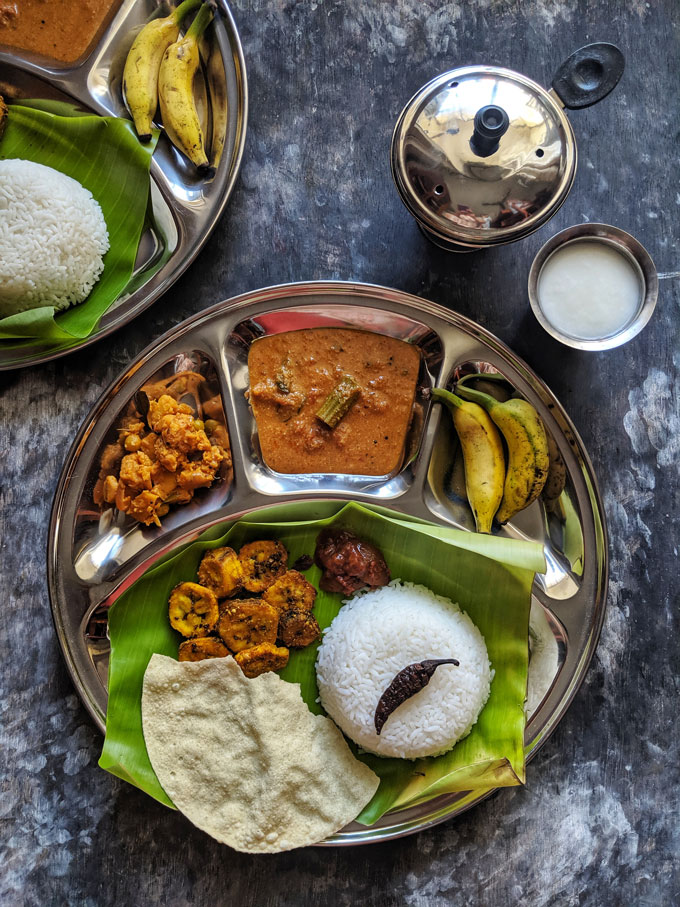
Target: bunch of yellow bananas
[[494, 488], [160, 68]]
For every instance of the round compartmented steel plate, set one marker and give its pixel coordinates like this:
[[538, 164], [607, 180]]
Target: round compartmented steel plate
[[94, 556], [183, 208]]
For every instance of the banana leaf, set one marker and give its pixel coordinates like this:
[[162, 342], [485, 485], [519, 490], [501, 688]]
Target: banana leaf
[[489, 577], [105, 156]]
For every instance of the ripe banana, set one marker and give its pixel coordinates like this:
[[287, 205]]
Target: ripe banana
[[175, 91], [557, 474], [456, 474], [482, 454], [140, 76], [217, 86], [527, 443]]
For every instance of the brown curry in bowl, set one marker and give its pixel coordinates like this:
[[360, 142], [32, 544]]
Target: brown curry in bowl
[[332, 400]]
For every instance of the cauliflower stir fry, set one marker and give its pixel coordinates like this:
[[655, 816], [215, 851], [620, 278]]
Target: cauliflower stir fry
[[162, 457]]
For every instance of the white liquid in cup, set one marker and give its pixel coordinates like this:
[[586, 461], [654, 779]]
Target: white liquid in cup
[[588, 290]]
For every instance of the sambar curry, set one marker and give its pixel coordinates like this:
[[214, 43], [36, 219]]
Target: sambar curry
[[332, 400], [60, 29]]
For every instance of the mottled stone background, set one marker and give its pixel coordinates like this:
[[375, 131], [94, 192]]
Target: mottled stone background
[[597, 822]]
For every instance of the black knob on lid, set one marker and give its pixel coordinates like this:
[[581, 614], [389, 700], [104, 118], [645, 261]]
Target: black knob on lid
[[589, 74], [491, 122]]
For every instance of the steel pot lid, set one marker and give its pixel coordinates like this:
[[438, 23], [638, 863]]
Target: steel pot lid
[[483, 155]]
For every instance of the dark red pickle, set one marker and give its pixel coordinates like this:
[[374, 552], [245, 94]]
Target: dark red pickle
[[348, 562]]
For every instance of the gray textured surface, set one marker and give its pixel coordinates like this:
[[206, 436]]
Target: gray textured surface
[[596, 823]]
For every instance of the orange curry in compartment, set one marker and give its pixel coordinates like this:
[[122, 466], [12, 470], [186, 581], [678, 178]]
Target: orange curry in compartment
[[365, 381], [60, 29]]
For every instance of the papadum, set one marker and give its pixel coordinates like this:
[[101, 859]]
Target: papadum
[[245, 760]]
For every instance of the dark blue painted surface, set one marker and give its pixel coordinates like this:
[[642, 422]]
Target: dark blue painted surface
[[596, 823]]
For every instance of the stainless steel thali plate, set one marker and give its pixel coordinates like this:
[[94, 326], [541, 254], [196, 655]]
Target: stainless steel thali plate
[[94, 556], [184, 208]]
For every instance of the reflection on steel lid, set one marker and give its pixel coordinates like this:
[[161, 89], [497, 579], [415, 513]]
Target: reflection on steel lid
[[483, 155]]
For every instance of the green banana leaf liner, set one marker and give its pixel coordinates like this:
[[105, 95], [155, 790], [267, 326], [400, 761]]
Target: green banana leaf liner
[[105, 156], [489, 577]]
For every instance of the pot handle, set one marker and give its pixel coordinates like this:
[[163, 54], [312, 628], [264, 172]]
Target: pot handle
[[588, 75]]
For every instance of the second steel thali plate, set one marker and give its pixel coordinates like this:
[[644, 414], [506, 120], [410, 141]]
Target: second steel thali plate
[[94, 556], [183, 207]]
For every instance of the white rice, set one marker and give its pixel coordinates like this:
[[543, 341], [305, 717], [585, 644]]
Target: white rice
[[377, 634], [52, 238]]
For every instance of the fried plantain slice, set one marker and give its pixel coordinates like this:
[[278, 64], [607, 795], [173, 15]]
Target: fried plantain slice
[[203, 647], [193, 610], [244, 623], [260, 659], [289, 591], [263, 563], [298, 628], [221, 571]]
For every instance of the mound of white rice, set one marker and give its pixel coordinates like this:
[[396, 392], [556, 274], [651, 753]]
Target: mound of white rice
[[52, 238], [377, 634]]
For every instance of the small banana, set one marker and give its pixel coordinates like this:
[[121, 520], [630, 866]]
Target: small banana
[[527, 444], [175, 91], [140, 75], [217, 84], [456, 473], [557, 473], [482, 454]]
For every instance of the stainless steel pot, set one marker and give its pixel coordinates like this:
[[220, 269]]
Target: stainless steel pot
[[483, 156]]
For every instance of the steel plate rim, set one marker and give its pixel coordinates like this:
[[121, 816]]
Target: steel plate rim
[[379, 294], [196, 246]]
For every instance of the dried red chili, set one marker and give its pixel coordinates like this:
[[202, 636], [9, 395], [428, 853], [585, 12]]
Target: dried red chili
[[409, 681]]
